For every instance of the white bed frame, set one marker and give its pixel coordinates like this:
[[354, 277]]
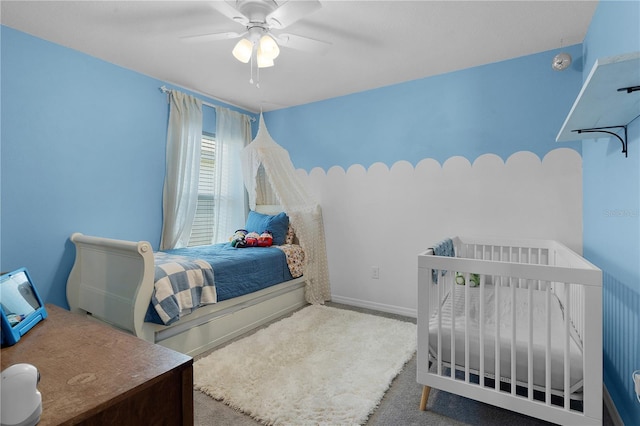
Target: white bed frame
[[113, 280], [541, 265]]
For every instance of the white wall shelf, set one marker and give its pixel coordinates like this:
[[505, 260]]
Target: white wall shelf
[[608, 102]]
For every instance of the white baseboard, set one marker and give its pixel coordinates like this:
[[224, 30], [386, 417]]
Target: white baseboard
[[611, 407], [412, 313]]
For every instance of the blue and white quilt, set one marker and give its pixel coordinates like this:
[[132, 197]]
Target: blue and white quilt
[[181, 285]]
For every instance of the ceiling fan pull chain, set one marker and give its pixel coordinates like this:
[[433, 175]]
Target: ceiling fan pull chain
[[251, 71], [258, 77]]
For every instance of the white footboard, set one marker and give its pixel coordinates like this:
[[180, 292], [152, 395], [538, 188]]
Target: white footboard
[[113, 280], [505, 312]]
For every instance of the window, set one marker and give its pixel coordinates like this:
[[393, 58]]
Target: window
[[202, 229]]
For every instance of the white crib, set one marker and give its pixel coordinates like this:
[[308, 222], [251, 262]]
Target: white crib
[[553, 353]]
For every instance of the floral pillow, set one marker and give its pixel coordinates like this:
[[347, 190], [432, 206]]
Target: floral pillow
[[291, 236]]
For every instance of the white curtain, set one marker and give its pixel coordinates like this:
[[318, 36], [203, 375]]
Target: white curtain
[[180, 193], [233, 133], [269, 174]]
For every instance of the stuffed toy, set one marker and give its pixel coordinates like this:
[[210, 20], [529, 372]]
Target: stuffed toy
[[265, 239], [252, 239], [238, 238], [474, 279]]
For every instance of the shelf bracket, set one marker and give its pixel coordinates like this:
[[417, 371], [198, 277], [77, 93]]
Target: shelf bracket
[[630, 89], [605, 130]]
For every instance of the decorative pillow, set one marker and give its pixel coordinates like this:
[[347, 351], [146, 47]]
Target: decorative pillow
[[278, 225]]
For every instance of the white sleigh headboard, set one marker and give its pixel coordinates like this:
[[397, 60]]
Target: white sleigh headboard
[[270, 209]]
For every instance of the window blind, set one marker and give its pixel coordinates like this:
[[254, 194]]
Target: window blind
[[202, 228]]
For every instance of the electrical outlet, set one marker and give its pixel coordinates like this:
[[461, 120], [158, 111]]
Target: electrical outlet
[[375, 272]]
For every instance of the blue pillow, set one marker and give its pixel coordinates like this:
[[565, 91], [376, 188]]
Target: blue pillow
[[277, 225]]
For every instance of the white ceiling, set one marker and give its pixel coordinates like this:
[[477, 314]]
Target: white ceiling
[[374, 43]]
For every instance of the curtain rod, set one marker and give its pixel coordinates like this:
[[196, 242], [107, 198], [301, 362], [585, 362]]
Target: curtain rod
[[164, 89]]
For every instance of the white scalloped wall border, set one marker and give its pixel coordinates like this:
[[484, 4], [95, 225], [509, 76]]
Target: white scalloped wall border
[[384, 216]]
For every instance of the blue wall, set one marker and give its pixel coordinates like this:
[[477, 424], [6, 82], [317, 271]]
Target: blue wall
[[83, 150], [500, 108], [612, 214]]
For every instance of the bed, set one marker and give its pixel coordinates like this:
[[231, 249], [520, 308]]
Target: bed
[[513, 323], [115, 281]]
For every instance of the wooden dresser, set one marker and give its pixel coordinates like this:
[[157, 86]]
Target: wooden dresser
[[94, 374]]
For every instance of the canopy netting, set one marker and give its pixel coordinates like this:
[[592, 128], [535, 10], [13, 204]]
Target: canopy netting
[[270, 178]]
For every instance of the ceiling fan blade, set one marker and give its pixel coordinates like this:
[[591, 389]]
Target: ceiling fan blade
[[229, 11], [212, 36], [292, 11], [302, 43]]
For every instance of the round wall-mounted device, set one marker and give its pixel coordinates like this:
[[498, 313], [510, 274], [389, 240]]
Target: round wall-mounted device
[[561, 61]]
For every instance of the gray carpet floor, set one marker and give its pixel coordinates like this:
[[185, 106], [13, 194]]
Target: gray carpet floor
[[398, 407]]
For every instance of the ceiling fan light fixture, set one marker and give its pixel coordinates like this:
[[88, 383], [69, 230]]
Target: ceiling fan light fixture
[[243, 50], [258, 45], [264, 61], [268, 47]]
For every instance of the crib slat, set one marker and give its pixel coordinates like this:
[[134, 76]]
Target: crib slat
[[437, 290], [513, 336], [530, 348], [539, 258], [530, 284], [547, 354], [482, 319], [452, 280], [519, 255], [466, 326], [567, 337], [576, 302], [483, 314], [440, 306], [496, 289]]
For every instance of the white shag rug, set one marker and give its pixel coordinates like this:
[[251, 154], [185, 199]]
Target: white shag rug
[[322, 365]]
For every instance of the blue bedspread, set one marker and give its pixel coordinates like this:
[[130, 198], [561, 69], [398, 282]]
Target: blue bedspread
[[237, 271]]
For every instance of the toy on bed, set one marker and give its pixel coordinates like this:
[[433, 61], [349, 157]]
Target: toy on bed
[[265, 239], [242, 239], [251, 239], [238, 239]]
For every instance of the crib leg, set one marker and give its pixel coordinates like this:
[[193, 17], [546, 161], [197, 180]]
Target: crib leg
[[425, 397]]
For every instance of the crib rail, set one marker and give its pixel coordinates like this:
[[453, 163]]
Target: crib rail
[[505, 322]]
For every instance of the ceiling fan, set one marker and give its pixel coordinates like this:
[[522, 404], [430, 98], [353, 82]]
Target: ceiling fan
[[260, 17]]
